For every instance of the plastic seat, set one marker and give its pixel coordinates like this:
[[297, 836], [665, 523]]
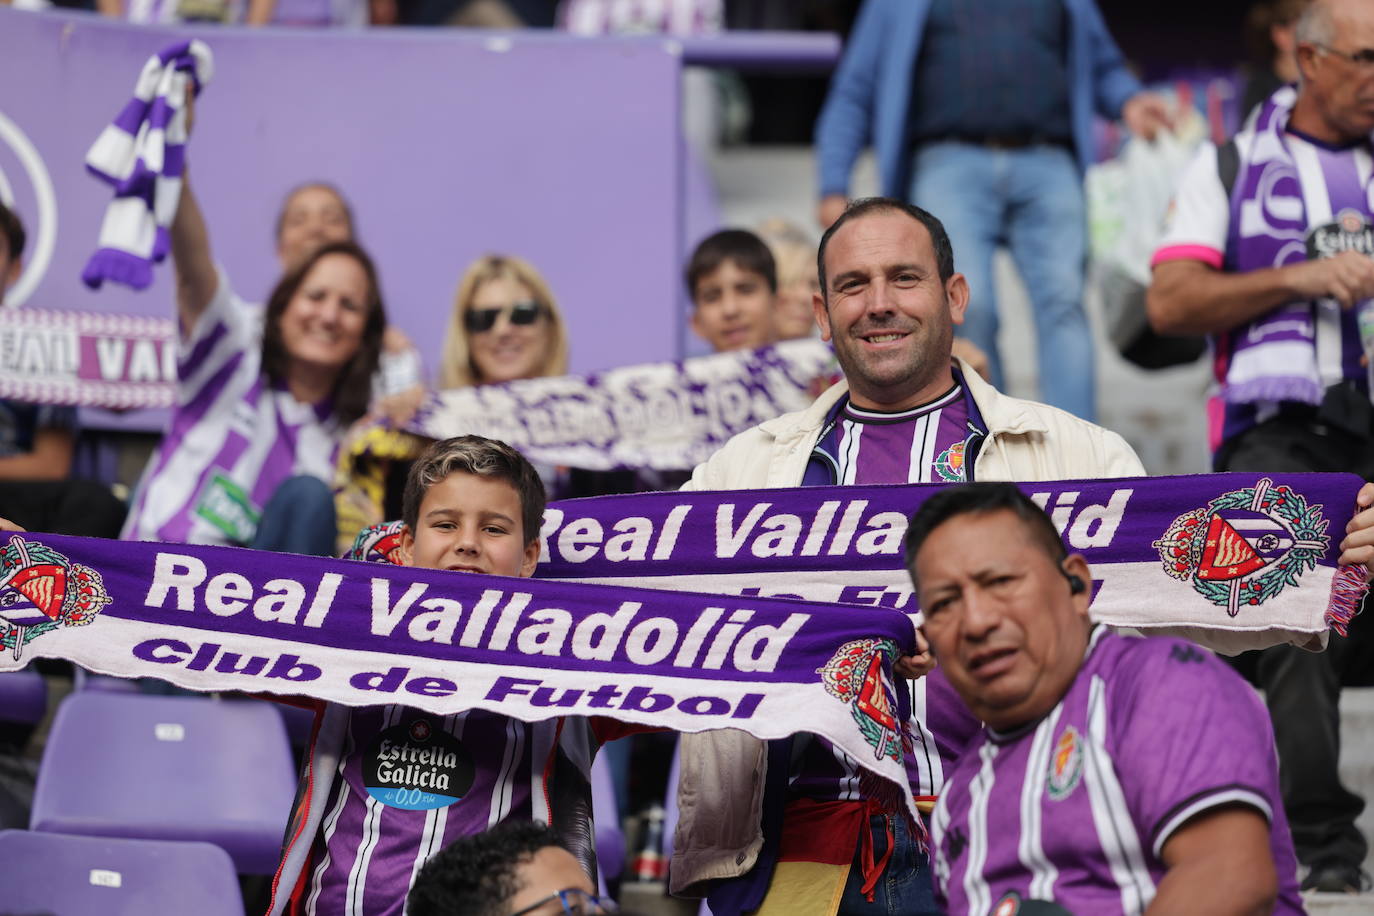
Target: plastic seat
[[84, 876], [85, 680], [610, 839], [23, 696], [172, 768]]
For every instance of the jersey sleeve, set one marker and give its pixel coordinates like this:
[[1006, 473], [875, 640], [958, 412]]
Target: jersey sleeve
[[1199, 216], [1189, 735], [228, 329]]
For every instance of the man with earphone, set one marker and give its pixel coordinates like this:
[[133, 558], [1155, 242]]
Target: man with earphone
[[1113, 774]]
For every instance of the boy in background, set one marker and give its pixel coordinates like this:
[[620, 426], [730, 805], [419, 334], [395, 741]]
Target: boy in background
[[733, 282]]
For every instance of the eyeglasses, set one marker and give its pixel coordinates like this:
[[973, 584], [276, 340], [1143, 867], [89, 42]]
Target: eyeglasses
[[479, 321], [575, 902], [1363, 58]]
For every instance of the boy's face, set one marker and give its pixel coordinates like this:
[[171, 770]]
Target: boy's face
[[734, 309], [472, 524]]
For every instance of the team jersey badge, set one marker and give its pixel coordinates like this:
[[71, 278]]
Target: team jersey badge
[[856, 675], [1066, 764], [949, 464], [41, 590], [1245, 546]]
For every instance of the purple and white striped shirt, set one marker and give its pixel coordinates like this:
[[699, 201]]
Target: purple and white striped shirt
[[233, 439], [1076, 808], [925, 444], [409, 783]]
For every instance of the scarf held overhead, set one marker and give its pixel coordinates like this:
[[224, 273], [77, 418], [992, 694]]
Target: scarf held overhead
[[142, 155], [362, 634]]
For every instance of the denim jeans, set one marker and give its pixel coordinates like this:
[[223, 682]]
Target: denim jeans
[[1031, 201], [299, 518], [905, 889]]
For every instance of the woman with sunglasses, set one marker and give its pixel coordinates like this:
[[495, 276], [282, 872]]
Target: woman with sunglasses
[[505, 326]]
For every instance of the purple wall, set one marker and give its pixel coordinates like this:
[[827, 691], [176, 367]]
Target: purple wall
[[449, 144]]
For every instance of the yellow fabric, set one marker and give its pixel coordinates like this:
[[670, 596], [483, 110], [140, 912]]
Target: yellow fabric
[[804, 889], [360, 477]]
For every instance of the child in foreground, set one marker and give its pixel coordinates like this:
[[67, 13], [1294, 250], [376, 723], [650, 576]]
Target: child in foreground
[[357, 841]]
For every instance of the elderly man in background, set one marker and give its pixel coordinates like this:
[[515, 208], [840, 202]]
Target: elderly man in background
[[1269, 251], [982, 111]]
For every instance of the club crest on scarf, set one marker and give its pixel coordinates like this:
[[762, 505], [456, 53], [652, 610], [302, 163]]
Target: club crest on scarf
[[1246, 546], [856, 674], [378, 544], [41, 590]]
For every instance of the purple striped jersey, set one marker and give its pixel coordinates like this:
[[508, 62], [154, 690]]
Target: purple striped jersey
[[409, 783], [925, 444], [1077, 807], [233, 437]]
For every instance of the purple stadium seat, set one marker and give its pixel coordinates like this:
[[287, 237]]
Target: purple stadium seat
[[23, 696], [84, 876], [171, 768], [85, 680], [610, 839]]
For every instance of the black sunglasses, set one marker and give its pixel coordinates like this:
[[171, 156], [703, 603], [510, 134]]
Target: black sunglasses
[[479, 321]]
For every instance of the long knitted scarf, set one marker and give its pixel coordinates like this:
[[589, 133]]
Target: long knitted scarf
[[142, 155]]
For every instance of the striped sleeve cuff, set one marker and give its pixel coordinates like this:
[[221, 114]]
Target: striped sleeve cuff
[[1209, 256], [1211, 798]]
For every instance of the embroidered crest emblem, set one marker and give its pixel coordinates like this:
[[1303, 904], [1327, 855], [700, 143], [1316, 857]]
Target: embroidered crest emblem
[[1009, 905], [41, 590], [378, 544], [1246, 546], [949, 464], [1066, 765], [855, 674]]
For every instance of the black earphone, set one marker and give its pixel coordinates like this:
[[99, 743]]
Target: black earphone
[[1076, 584]]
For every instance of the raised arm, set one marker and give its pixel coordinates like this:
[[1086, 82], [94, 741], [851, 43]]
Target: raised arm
[[196, 276], [1219, 863], [1191, 297]]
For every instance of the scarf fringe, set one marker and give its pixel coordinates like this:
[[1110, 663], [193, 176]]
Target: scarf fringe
[[119, 266], [1348, 589], [1274, 388]]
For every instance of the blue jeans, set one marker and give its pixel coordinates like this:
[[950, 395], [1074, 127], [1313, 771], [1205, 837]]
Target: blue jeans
[[1031, 201], [905, 889], [299, 518]]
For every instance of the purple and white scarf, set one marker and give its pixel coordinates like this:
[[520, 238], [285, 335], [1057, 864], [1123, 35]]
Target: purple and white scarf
[[142, 155], [1275, 357]]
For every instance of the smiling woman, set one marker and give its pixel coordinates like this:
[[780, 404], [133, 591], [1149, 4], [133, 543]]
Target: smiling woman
[[264, 397]]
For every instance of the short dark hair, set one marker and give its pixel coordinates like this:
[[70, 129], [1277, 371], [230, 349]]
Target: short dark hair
[[939, 238], [749, 252], [12, 228], [353, 388], [484, 458], [475, 875], [304, 186], [981, 499]]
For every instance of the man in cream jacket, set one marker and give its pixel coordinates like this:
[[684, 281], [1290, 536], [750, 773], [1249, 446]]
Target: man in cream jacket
[[786, 827]]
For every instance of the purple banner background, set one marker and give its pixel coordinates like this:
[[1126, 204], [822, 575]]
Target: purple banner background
[[448, 144]]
